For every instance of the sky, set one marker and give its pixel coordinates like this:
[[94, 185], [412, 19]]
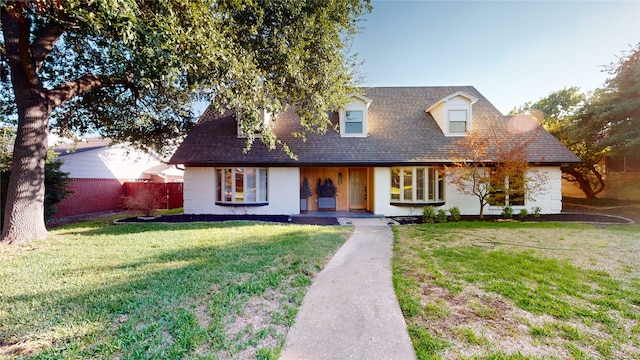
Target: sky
[[511, 51]]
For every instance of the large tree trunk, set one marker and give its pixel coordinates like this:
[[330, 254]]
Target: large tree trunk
[[588, 178], [24, 212], [24, 209]]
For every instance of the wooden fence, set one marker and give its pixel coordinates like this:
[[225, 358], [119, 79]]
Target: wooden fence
[[172, 192]]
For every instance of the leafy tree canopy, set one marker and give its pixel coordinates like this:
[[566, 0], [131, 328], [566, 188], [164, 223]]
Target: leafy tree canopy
[[594, 125], [130, 70]]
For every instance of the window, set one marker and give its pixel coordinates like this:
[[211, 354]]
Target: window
[[457, 121], [242, 185], [507, 191], [417, 185], [353, 118], [354, 122]]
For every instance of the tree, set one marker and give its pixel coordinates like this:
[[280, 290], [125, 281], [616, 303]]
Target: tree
[[56, 180], [491, 163], [595, 125], [563, 114], [56, 183], [615, 109], [130, 71]]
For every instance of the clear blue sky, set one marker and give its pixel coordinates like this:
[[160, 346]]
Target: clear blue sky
[[511, 51]]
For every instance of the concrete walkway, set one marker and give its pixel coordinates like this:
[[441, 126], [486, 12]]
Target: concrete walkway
[[351, 311]]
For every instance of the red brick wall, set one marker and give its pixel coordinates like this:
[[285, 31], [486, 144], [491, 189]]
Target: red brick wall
[[91, 195]]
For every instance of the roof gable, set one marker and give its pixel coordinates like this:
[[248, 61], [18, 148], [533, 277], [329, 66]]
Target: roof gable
[[470, 98], [361, 98]]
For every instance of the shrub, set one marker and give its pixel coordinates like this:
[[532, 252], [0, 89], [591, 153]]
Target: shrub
[[507, 212], [305, 189], [146, 200], [523, 214], [429, 214], [455, 214], [442, 216], [536, 211], [326, 188]]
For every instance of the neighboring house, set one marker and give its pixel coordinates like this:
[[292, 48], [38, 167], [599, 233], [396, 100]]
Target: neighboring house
[[98, 169], [383, 159]]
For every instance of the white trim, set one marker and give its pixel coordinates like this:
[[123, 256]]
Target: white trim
[[260, 190], [361, 103], [430, 178], [472, 99]]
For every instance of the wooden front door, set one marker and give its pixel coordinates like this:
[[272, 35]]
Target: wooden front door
[[357, 189]]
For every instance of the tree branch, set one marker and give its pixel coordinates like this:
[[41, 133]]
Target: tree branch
[[44, 42], [65, 92], [15, 28]]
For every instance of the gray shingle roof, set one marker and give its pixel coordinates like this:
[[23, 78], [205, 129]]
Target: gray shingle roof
[[400, 132]]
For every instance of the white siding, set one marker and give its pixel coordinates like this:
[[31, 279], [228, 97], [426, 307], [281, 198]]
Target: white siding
[[549, 199], [438, 114], [200, 193], [200, 188], [113, 162]]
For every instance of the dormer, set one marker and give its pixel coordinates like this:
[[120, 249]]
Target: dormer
[[354, 117], [453, 113], [265, 121]]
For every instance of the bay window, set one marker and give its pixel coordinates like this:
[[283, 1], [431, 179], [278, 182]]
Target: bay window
[[241, 185], [419, 185]]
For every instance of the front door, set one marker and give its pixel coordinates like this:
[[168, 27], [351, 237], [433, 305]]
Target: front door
[[357, 189]]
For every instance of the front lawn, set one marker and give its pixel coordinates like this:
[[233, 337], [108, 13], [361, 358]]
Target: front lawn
[[196, 290], [519, 290]]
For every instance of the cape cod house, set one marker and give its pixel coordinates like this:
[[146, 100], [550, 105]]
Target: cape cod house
[[383, 159]]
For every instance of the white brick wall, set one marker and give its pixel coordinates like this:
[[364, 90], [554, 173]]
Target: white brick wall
[[200, 193], [284, 183], [549, 200]]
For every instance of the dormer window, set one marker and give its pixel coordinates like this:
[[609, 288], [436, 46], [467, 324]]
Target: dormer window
[[453, 113], [458, 121], [353, 118], [265, 121], [354, 122]]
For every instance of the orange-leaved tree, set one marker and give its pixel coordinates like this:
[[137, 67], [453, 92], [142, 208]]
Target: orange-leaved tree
[[492, 163]]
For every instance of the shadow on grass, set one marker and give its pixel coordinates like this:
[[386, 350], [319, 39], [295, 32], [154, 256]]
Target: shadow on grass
[[167, 304]]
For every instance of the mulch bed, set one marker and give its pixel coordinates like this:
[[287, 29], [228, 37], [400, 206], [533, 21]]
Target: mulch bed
[[562, 217], [309, 220], [267, 218]]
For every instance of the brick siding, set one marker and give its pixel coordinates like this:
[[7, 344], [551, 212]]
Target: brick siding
[[91, 195]]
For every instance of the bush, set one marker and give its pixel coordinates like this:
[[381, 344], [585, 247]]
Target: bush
[[429, 214], [507, 212], [455, 214], [536, 211], [523, 214], [442, 216], [305, 190], [326, 189], [146, 200]]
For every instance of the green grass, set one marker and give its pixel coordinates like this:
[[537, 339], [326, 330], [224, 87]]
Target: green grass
[[566, 290], [198, 290]]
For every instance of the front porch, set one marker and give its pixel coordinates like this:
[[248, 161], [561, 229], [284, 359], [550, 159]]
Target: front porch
[[354, 184], [340, 214]]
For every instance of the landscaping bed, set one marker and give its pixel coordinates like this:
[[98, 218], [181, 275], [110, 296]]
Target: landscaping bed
[[562, 217], [181, 218]]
